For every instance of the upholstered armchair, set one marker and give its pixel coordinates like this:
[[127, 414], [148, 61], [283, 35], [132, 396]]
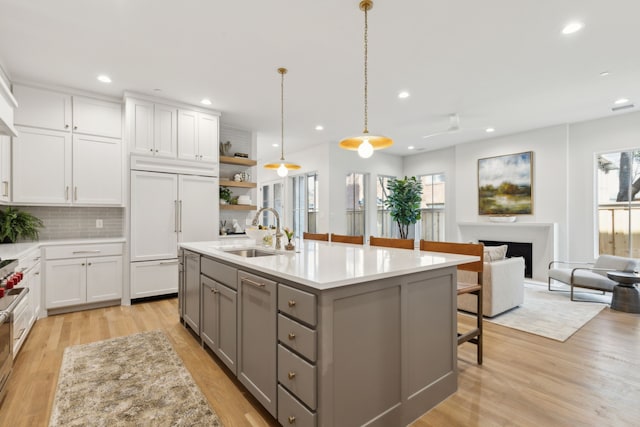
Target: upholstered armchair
[[590, 275], [503, 286]]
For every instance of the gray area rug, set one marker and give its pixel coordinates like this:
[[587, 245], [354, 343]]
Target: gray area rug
[[137, 380], [552, 314]]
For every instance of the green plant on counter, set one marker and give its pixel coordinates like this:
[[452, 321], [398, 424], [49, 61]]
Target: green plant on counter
[[225, 194], [16, 224], [404, 202]]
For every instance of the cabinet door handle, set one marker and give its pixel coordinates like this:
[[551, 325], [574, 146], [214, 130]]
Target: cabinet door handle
[[66, 193], [168, 262], [157, 150], [37, 273], [291, 375], [75, 128], [66, 126], [20, 336], [180, 211], [5, 186], [291, 303], [82, 264], [93, 251], [254, 283], [89, 263], [151, 149], [291, 336], [175, 212], [75, 193], [291, 419]]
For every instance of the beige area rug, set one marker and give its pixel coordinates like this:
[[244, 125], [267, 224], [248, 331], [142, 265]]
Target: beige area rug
[[552, 314], [137, 380]]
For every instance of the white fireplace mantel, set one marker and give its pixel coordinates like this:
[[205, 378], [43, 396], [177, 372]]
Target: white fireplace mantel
[[541, 235]]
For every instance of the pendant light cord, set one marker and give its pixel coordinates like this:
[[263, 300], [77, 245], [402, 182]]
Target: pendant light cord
[[282, 116], [366, 60]]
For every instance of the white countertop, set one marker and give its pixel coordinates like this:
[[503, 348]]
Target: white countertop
[[326, 265], [18, 250]]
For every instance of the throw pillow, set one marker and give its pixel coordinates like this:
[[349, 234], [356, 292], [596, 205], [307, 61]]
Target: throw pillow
[[495, 253]]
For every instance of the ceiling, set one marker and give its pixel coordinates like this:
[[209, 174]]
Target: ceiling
[[496, 63]]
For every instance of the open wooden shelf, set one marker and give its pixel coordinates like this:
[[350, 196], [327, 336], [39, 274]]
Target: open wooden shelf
[[239, 207], [237, 161], [243, 184]]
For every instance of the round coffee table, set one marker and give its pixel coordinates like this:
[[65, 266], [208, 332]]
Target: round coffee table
[[626, 296]]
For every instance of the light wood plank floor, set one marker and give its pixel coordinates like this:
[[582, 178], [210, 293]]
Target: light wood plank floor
[[593, 379]]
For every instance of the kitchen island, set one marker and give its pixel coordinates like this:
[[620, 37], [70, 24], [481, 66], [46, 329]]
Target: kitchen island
[[330, 334]]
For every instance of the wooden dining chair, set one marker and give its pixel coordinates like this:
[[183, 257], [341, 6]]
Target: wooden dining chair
[[341, 238], [315, 236], [474, 335], [391, 243]]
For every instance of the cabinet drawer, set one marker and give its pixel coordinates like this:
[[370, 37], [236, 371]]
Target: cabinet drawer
[[298, 376], [219, 272], [297, 303], [297, 337], [83, 251], [292, 412]]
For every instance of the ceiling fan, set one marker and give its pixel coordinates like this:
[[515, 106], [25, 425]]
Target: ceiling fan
[[454, 126]]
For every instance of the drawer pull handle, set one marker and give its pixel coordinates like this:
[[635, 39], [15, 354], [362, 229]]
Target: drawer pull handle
[[96, 251], [292, 303], [251, 282], [292, 336], [291, 375], [291, 419]]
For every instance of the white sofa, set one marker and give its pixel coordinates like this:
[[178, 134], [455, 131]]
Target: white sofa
[[503, 286]]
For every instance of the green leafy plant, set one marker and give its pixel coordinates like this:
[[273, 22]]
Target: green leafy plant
[[16, 224], [225, 194], [404, 202]]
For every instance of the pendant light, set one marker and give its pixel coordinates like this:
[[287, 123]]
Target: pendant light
[[366, 143], [282, 166]]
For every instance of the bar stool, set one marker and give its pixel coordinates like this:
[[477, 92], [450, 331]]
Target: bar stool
[[391, 243], [316, 236], [473, 336], [341, 238]]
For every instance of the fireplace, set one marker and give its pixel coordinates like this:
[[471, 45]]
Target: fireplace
[[516, 249]]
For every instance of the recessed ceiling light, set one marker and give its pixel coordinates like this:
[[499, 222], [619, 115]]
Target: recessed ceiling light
[[489, 130], [621, 101], [104, 78], [205, 101], [274, 145], [319, 127], [411, 147], [572, 27], [604, 73], [403, 94]]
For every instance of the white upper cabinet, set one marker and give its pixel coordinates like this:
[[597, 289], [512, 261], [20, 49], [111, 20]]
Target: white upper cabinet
[[97, 170], [198, 136], [42, 108], [152, 128], [5, 168], [96, 117]]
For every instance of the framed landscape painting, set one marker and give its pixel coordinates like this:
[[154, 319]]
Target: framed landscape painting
[[505, 184]]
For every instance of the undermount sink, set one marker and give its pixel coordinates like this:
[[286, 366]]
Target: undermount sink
[[250, 253]]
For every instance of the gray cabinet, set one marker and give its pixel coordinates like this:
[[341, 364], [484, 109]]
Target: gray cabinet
[[257, 338], [192, 290], [218, 321]]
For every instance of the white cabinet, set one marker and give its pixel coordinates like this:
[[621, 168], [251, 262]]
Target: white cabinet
[[42, 166], [50, 169], [28, 311], [52, 110], [167, 208], [151, 278], [5, 168], [42, 108], [198, 136], [152, 128], [82, 274]]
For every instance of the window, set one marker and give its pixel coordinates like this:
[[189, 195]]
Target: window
[[618, 180], [272, 198], [356, 204], [432, 207], [305, 203], [384, 221]]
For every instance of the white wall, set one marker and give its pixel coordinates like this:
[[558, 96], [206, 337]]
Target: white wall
[[586, 140]]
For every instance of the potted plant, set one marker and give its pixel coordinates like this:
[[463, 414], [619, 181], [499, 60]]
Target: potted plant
[[16, 224], [225, 195], [404, 202]]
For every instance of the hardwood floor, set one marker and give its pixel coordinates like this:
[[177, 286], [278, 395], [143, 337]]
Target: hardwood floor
[[592, 379]]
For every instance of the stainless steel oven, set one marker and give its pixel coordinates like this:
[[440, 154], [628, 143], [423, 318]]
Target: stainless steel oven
[[10, 297]]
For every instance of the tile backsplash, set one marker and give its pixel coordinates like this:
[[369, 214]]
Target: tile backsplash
[[78, 222]]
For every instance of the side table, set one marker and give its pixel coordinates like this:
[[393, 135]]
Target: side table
[[626, 296]]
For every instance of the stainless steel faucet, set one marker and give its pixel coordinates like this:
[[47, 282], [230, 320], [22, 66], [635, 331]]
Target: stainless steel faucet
[[278, 232]]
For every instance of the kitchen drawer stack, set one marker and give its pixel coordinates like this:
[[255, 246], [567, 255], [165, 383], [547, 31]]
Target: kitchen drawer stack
[[297, 356]]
